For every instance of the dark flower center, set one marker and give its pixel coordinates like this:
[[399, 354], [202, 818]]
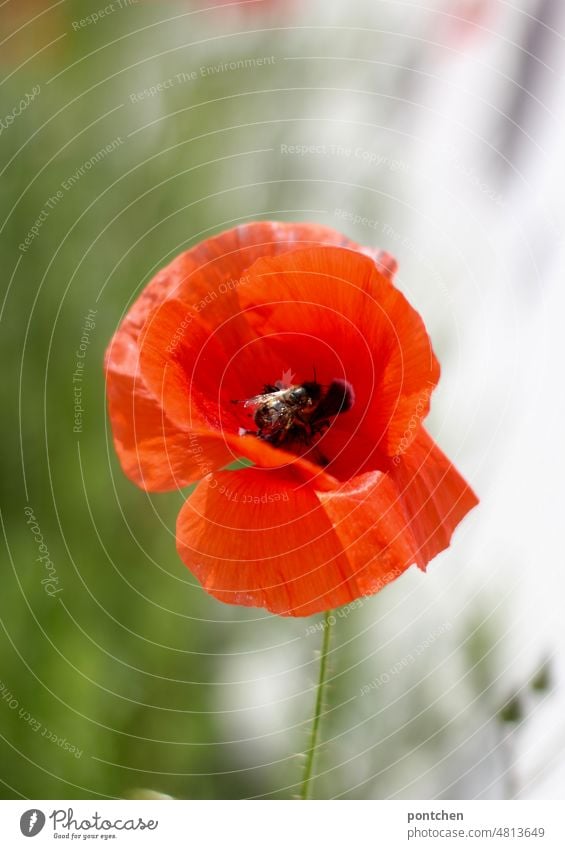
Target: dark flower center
[[297, 413]]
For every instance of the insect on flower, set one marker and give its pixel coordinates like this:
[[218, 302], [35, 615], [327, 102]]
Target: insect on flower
[[299, 413], [343, 489]]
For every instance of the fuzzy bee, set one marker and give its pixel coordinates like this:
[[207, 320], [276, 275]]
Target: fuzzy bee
[[297, 412]]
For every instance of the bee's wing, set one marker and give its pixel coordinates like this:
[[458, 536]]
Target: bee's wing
[[257, 400]]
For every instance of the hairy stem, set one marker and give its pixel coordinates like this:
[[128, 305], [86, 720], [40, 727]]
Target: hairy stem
[[310, 753]]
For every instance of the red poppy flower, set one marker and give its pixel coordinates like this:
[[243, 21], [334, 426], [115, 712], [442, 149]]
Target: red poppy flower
[[344, 489]]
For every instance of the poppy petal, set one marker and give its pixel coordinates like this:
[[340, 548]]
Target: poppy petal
[[370, 521], [154, 453], [344, 502], [434, 496], [353, 324], [184, 366], [206, 276], [151, 447], [269, 541], [261, 539]]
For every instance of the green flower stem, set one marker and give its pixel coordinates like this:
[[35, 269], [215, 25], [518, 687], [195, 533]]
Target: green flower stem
[[311, 750]]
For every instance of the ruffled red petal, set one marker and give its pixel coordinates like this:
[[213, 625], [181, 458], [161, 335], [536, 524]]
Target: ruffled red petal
[[434, 496], [266, 539], [184, 368], [310, 527], [154, 453], [369, 519], [150, 445], [332, 310], [325, 312], [258, 538]]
